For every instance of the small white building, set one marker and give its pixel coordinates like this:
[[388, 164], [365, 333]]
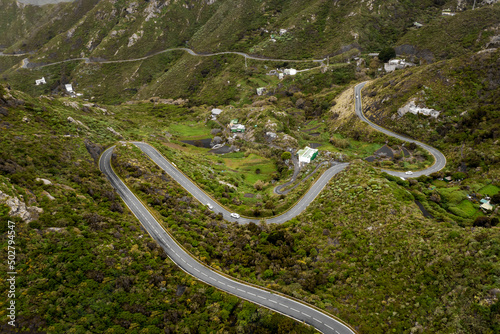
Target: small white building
[[261, 90], [216, 111], [307, 154], [69, 88], [40, 81], [290, 71], [486, 206]]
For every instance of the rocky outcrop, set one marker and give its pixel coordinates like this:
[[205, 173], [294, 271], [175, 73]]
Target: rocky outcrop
[[114, 132], [19, 209], [77, 122], [95, 150]]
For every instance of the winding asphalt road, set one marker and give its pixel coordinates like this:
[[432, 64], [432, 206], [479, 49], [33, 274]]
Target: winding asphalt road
[[439, 158], [288, 306], [201, 196], [27, 64]]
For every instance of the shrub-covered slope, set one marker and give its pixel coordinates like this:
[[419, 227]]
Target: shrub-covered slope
[[83, 262], [362, 251], [465, 90]]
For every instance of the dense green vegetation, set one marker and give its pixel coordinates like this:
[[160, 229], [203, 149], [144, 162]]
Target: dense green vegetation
[[363, 250], [278, 29], [86, 264], [467, 95], [335, 255]]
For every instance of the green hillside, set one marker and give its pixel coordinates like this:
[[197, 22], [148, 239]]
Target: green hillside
[[383, 253]]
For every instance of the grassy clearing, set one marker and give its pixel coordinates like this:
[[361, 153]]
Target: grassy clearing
[[467, 207], [189, 131], [489, 190]]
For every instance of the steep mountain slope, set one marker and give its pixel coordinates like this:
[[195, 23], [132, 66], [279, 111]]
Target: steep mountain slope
[[17, 20], [83, 262], [295, 28], [466, 92], [448, 37], [121, 30]]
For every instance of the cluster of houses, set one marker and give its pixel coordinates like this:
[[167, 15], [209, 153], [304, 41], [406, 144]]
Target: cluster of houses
[[273, 36], [411, 107], [68, 87], [235, 127], [281, 73], [396, 64], [40, 81]]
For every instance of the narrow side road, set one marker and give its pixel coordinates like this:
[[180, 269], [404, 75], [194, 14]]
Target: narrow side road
[[205, 199], [27, 64]]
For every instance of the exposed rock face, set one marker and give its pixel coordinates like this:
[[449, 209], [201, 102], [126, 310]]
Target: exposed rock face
[[49, 196], [72, 120], [95, 150], [114, 132], [45, 181], [19, 209]]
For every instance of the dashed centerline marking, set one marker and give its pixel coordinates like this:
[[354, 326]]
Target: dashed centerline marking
[[150, 224]]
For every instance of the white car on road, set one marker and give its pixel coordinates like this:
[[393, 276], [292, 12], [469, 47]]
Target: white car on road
[[235, 215], [409, 172], [210, 206]]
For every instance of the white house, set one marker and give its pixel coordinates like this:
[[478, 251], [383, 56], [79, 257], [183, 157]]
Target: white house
[[216, 112], [290, 71], [307, 154], [40, 81], [69, 88]]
